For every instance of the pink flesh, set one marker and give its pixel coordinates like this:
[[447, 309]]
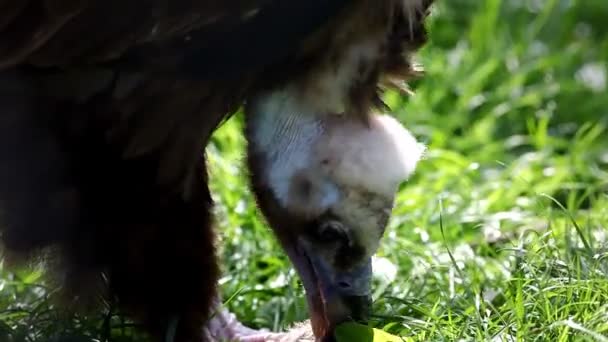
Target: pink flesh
[[224, 326]]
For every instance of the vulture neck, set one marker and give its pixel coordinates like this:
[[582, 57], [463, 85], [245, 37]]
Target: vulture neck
[[282, 132]]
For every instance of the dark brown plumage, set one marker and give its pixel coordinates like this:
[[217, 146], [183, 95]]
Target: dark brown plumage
[[106, 107]]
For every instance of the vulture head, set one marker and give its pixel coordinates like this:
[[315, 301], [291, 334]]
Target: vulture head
[[326, 183]]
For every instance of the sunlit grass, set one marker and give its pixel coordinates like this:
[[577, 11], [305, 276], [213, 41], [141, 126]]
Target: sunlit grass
[[502, 232]]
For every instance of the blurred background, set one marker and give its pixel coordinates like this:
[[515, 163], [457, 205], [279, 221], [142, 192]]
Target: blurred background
[[501, 233]]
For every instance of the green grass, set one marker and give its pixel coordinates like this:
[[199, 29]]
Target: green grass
[[502, 233]]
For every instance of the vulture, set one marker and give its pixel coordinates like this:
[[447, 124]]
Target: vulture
[[106, 107]]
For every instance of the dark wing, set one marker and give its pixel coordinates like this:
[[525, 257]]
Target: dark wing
[[164, 73], [105, 108], [76, 32]]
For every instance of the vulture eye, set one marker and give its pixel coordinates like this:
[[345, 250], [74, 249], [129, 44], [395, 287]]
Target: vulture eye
[[332, 231]]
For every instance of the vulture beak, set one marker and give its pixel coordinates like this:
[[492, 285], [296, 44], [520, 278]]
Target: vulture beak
[[334, 295]]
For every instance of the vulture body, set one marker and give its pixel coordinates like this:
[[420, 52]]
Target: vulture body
[[105, 109]]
